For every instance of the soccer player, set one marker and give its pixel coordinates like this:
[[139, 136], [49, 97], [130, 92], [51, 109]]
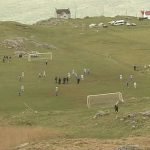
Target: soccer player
[[40, 75], [78, 80], [59, 80], [131, 77], [134, 67], [85, 71], [134, 84], [46, 62], [82, 77], [56, 91], [56, 79], [116, 108], [69, 75], [120, 76], [22, 88], [22, 74]]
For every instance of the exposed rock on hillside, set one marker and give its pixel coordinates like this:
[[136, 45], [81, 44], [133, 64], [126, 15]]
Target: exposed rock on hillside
[[19, 43], [86, 144]]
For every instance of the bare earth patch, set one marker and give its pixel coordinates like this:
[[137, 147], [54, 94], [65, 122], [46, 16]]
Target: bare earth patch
[[12, 136], [37, 138]]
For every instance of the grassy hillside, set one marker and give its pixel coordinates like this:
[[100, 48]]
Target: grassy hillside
[[108, 52]]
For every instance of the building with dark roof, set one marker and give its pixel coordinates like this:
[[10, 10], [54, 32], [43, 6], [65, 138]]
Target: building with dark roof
[[63, 13]]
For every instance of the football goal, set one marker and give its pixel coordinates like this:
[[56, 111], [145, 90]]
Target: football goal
[[108, 99], [39, 56]]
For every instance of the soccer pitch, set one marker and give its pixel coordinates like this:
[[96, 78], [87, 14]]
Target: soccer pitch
[[107, 52]]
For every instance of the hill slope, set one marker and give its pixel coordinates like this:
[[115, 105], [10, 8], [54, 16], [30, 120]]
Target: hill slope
[[107, 52]]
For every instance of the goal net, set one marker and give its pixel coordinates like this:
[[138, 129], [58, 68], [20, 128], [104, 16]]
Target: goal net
[[104, 100], [39, 56]]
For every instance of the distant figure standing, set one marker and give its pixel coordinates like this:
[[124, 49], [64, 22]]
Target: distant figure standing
[[59, 81], [22, 74], [145, 66], [120, 76], [56, 91], [19, 93], [39, 75], [22, 88], [73, 71], [56, 79], [69, 75], [82, 77], [116, 108], [46, 62], [78, 80], [88, 71], [131, 77], [134, 67], [134, 84], [84, 71], [127, 84]]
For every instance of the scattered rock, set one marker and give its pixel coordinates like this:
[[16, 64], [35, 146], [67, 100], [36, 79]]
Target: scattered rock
[[19, 43], [100, 114], [146, 113], [21, 146]]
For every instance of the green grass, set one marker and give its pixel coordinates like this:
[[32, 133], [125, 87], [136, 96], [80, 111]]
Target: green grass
[[108, 53]]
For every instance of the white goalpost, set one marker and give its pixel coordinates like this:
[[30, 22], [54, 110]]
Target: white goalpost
[[39, 56], [107, 99]]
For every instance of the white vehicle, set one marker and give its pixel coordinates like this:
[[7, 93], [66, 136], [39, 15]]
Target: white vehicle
[[117, 22], [133, 24], [100, 24], [111, 22], [92, 25], [128, 24]]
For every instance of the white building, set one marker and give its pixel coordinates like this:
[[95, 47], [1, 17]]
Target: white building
[[145, 14]]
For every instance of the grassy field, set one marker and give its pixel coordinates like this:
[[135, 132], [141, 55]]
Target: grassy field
[[108, 52]]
